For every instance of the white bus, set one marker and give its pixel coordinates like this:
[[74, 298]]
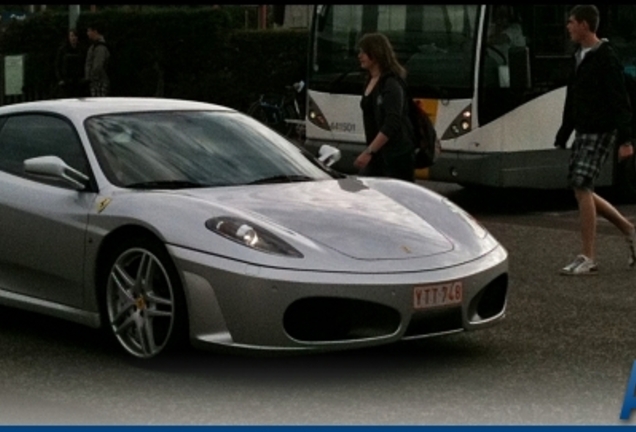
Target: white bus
[[496, 108]]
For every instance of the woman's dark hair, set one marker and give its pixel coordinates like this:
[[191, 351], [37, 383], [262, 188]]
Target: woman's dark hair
[[378, 47]]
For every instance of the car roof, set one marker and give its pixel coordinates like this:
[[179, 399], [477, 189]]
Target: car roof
[[87, 107]]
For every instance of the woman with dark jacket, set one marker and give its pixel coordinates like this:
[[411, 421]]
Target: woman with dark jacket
[[69, 67], [389, 134]]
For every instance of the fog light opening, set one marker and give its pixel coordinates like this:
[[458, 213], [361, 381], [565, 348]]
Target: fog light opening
[[491, 301]]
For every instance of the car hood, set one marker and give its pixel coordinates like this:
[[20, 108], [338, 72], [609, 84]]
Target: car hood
[[343, 215]]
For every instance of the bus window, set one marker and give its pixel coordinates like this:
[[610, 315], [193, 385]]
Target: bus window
[[551, 46], [503, 34], [526, 54], [504, 70], [436, 44], [441, 51], [334, 57], [617, 25], [550, 36]]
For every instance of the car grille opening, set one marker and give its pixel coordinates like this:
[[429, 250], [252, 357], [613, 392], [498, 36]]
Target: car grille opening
[[321, 319], [491, 300], [434, 321]]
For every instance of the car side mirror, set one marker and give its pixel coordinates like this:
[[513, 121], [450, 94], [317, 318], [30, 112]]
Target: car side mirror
[[329, 155], [53, 167]]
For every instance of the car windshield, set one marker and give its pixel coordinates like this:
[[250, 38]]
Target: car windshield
[[188, 149]]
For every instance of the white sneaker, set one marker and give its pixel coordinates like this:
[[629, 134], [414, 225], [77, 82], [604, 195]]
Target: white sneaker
[[582, 265], [631, 243]]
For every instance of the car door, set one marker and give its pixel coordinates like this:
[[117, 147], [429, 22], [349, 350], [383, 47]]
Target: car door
[[43, 229]]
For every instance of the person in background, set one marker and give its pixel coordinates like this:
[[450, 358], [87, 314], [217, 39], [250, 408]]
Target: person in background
[[97, 59], [597, 110], [69, 67], [389, 135], [505, 31]]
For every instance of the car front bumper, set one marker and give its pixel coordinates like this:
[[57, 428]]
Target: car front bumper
[[235, 305]]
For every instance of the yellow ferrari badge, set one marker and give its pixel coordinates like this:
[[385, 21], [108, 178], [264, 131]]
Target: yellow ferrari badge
[[102, 204]]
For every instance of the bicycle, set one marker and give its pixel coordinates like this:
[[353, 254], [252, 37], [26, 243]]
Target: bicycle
[[282, 112]]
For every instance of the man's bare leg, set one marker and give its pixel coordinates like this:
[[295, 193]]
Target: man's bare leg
[[609, 212], [587, 213]]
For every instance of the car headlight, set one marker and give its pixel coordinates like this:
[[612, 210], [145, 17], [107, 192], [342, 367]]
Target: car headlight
[[250, 235], [479, 230]]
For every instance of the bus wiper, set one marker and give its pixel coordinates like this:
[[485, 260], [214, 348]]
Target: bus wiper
[[341, 77], [166, 184], [282, 179]]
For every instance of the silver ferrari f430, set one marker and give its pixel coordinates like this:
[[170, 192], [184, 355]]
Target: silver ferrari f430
[[168, 221]]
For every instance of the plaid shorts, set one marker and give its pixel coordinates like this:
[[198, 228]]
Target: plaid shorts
[[589, 153]]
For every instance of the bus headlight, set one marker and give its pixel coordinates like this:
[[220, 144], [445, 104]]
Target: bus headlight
[[461, 125], [315, 116]]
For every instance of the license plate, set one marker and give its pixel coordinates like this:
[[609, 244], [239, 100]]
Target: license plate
[[444, 294]]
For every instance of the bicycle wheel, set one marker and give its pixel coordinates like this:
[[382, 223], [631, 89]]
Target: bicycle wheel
[[270, 116]]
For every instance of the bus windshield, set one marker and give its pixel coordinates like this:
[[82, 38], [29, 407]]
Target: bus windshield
[[435, 43]]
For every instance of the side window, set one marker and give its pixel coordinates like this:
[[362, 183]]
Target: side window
[[552, 47], [618, 27], [527, 53], [505, 40], [27, 136], [550, 34]]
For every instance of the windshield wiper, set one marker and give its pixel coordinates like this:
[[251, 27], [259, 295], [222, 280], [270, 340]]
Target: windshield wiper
[[166, 184], [282, 179], [342, 76]]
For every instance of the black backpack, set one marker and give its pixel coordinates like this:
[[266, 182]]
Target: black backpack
[[427, 144]]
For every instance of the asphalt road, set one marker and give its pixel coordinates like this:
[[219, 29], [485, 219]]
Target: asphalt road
[[563, 354]]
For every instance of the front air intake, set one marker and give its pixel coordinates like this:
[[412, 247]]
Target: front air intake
[[490, 301], [322, 319]]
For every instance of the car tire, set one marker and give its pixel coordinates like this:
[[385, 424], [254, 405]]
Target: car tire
[[143, 300]]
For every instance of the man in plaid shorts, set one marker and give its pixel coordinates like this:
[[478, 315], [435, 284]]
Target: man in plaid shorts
[[597, 110]]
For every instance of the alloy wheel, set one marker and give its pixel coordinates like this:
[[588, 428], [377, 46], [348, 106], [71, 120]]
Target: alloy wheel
[[141, 302]]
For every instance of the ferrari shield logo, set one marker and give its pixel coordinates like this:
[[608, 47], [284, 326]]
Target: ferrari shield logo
[[102, 204]]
